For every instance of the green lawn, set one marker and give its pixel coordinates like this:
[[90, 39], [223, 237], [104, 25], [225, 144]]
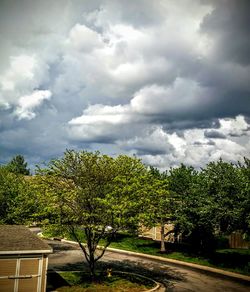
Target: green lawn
[[152, 247], [236, 260]]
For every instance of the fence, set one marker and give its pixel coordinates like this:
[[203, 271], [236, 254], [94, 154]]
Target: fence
[[236, 241]]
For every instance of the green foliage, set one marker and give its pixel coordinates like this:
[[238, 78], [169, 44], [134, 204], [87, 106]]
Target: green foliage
[[18, 165], [9, 188], [16, 200], [93, 196], [212, 202], [186, 200], [227, 186], [243, 204], [157, 203], [200, 205], [192, 207]]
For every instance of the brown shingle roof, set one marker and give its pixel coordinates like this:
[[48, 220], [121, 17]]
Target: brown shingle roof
[[17, 239]]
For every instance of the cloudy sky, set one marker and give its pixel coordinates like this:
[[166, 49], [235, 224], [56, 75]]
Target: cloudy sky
[[166, 80]]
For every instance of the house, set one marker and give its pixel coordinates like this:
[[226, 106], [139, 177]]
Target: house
[[23, 260], [155, 233]]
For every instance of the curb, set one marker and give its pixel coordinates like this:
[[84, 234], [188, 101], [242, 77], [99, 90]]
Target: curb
[[210, 270], [157, 285], [201, 268], [155, 288]]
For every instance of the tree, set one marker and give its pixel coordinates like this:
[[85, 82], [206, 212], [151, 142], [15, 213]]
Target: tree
[[222, 184], [16, 198], [182, 181], [18, 165], [94, 195], [192, 207], [228, 187], [157, 203], [8, 193], [244, 203], [214, 201]]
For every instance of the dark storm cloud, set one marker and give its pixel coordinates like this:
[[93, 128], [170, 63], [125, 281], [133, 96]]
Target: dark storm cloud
[[214, 134], [145, 77], [147, 149], [244, 133], [209, 143], [229, 24], [150, 151], [193, 124]]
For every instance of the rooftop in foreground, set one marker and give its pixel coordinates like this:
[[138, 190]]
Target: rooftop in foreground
[[17, 239]]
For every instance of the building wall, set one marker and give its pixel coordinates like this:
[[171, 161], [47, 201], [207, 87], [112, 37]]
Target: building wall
[[23, 274], [155, 232]]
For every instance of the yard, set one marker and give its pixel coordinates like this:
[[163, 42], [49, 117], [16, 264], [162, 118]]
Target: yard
[[235, 260]]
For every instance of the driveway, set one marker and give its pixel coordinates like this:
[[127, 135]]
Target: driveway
[[70, 257]]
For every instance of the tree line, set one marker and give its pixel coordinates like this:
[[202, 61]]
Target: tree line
[[94, 196]]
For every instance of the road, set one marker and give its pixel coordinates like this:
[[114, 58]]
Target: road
[[177, 279]]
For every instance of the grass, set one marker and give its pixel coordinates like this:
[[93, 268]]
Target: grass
[[236, 260], [80, 282], [151, 247]]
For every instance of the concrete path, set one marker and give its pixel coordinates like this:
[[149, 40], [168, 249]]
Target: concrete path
[[175, 278]]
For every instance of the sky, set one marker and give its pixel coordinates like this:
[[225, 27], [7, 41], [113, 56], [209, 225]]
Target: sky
[[165, 80]]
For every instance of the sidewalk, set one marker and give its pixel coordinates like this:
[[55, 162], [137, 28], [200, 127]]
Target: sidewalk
[[210, 270]]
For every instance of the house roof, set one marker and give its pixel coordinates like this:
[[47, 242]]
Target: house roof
[[17, 239]]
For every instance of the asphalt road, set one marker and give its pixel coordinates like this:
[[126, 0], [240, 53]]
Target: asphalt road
[[70, 257]]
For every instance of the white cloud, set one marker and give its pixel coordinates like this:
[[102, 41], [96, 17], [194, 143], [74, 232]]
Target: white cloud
[[83, 39], [153, 139], [179, 99], [161, 148], [234, 127], [28, 103], [100, 122], [102, 114], [21, 70], [178, 143], [25, 74]]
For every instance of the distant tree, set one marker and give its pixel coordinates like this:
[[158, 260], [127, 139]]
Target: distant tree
[[182, 187], [94, 196], [244, 203], [192, 207], [214, 201], [157, 203], [222, 184], [18, 165]]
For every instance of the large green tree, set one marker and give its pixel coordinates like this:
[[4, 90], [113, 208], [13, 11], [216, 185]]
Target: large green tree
[[94, 194]]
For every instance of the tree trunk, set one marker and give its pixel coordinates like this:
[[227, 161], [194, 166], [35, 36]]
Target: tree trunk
[[92, 270], [92, 265], [163, 249]]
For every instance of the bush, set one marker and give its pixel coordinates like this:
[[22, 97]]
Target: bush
[[222, 242]]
